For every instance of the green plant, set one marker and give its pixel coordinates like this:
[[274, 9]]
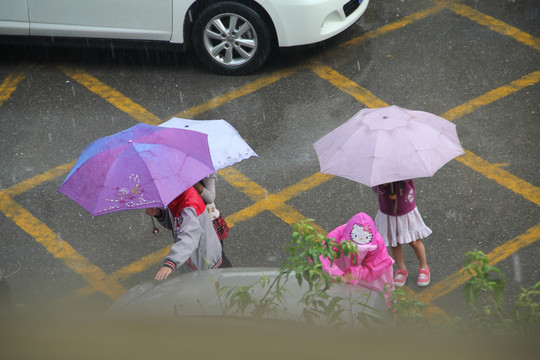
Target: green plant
[[484, 292], [236, 300], [407, 312], [526, 311]]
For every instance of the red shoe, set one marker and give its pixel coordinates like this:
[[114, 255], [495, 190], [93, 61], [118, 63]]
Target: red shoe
[[400, 278], [423, 277]]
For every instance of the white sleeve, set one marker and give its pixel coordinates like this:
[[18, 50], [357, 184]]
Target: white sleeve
[[186, 237], [209, 192]]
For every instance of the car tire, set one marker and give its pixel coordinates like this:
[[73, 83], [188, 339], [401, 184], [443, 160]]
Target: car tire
[[224, 50]]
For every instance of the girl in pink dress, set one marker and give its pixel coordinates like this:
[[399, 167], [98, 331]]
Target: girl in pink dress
[[371, 267], [399, 222]]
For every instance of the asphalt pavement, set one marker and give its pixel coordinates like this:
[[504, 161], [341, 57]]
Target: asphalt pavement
[[475, 63]]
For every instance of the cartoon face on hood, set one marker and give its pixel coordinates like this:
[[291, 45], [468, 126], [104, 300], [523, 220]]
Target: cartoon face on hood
[[361, 234], [360, 228]]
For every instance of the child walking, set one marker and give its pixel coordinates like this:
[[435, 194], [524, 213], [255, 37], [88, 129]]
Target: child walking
[[399, 222], [196, 244]]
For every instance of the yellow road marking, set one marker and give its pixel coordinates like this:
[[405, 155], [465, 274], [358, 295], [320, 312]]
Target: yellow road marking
[[496, 25], [31, 183], [407, 20], [345, 85], [59, 249], [492, 96], [502, 177], [235, 94], [9, 85], [243, 183], [114, 97], [138, 266], [275, 203], [495, 256]]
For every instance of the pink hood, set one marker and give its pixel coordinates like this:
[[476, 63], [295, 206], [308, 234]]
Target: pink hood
[[373, 266]]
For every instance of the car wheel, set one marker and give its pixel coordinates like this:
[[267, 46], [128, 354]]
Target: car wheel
[[231, 38]]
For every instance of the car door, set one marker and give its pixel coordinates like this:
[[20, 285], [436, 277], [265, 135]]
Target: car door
[[14, 17], [120, 19]]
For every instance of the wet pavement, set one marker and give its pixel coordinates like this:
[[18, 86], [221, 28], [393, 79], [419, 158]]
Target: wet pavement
[[476, 63]]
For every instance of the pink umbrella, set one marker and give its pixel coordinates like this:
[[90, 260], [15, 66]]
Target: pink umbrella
[[143, 166], [383, 145]]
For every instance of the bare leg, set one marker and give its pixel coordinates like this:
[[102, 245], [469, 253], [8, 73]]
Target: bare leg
[[420, 252], [397, 254]]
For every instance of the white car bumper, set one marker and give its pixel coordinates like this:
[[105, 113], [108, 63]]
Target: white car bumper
[[301, 22]]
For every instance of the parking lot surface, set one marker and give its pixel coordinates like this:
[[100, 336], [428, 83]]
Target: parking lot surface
[[475, 63]]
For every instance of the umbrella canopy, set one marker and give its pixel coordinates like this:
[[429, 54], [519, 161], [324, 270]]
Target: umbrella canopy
[[143, 166], [383, 145], [226, 145]]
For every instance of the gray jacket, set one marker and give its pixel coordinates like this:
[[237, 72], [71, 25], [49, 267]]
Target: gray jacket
[[194, 239]]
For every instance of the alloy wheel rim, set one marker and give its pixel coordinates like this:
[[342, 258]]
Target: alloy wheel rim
[[230, 39]]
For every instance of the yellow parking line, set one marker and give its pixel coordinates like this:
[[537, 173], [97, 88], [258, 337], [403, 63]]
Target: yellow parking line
[[407, 20], [9, 85], [502, 177], [31, 183], [275, 203], [495, 25], [498, 254], [114, 97], [59, 249], [345, 85], [236, 93], [136, 111], [492, 96], [135, 267], [243, 183]]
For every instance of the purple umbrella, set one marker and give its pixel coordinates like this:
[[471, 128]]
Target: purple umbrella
[[383, 145], [140, 167]]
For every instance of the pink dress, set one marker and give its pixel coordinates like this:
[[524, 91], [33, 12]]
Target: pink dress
[[372, 266]]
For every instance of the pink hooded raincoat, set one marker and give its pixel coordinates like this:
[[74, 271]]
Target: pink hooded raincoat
[[372, 266]]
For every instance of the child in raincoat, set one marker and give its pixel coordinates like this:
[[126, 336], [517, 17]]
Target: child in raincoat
[[196, 244], [371, 267]]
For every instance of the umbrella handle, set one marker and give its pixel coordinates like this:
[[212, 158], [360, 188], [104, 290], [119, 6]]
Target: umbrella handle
[[392, 192], [393, 197], [155, 230]]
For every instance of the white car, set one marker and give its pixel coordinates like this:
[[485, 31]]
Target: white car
[[231, 37]]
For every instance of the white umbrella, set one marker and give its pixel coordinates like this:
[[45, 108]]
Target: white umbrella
[[226, 145]]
